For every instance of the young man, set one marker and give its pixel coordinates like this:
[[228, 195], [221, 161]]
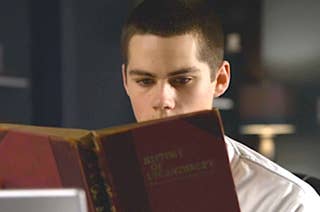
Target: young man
[[173, 64]]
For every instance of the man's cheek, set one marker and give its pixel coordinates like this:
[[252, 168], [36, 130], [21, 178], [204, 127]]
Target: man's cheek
[[141, 109]]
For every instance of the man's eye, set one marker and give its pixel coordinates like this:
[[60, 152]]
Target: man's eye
[[181, 80], [145, 82]]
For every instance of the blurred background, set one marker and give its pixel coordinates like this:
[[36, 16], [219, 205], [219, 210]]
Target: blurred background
[[60, 65]]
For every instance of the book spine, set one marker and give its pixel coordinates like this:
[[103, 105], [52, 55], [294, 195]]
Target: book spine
[[114, 205], [94, 178]]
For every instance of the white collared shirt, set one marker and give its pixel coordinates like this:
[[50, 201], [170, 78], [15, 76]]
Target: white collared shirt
[[264, 186]]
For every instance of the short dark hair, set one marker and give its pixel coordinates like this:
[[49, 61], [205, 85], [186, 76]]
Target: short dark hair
[[177, 17]]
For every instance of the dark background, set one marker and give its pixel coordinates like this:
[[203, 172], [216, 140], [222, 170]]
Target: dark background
[[60, 65]]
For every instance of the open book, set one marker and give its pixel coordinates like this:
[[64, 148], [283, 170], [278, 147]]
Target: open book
[[175, 164]]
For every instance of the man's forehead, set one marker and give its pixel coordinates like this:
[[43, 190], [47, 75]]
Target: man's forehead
[[149, 41], [149, 48], [163, 56]]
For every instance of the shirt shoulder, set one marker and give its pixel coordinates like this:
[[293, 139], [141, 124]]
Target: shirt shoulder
[[262, 185]]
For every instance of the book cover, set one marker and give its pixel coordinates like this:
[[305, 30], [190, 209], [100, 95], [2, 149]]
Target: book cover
[[174, 164], [179, 164]]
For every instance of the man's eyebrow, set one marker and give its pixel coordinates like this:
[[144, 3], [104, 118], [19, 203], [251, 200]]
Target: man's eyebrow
[[186, 70], [141, 73]]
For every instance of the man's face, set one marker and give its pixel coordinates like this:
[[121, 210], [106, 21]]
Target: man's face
[[164, 77]]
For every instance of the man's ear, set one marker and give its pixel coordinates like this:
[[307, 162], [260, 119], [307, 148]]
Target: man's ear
[[124, 78], [223, 76]]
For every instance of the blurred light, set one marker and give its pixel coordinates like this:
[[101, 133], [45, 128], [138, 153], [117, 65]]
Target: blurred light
[[233, 43], [223, 103], [267, 129], [266, 133], [14, 82]]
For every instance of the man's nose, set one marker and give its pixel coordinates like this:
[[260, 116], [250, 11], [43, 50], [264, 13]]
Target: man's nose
[[164, 97]]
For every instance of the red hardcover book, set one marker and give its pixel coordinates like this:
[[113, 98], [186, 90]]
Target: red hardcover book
[[175, 164]]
